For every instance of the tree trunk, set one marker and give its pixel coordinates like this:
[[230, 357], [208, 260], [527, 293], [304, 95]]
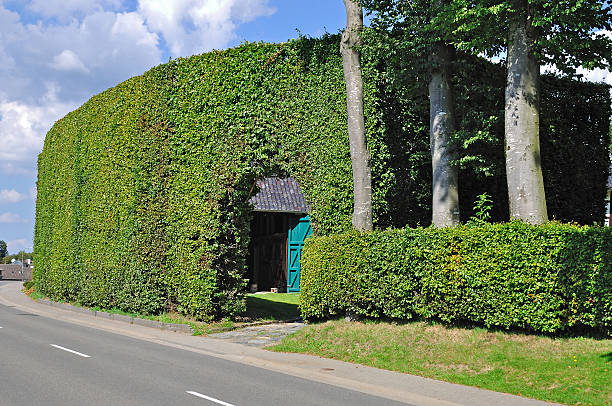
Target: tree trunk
[[522, 144], [445, 202], [360, 157]]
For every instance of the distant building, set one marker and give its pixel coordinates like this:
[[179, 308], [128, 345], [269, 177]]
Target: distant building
[[14, 271]]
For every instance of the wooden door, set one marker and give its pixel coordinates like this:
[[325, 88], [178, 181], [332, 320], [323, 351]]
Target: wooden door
[[299, 230]]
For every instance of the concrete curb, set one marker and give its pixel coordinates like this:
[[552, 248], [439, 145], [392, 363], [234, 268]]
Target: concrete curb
[[183, 328]]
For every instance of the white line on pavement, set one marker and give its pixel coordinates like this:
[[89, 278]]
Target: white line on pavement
[[69, 350], [209, 398]]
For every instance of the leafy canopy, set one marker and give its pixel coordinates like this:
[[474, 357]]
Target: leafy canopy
[[568, 33]]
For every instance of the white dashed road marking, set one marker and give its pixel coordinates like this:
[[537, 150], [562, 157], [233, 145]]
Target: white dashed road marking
[[209, 398], [69, 350]]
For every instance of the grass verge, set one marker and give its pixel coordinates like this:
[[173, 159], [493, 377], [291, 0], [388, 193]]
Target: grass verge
[[261, 308], [573, 371]]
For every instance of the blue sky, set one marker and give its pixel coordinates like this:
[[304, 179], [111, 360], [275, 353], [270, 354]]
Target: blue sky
[[56, 54]]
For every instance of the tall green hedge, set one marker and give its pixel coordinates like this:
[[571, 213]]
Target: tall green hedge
[[545, 278], [143, 191], [100, 227]]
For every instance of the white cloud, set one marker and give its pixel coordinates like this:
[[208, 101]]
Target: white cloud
[[22, 130], [112, 46], [62, 8], [11, 218], [605, 33], [17, 245], [81, 47], [131, 26], [41, 77], [68, 61], [596, 75], [67, 9], [195, 26], [64, 51], [11, 196]]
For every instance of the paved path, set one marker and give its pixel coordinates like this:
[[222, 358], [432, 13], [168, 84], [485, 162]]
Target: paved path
[[51, 356], [259, 336]]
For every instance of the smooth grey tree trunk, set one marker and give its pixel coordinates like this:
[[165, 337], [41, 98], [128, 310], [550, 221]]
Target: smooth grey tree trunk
[[522, 125], [445, 193], [360, 157]]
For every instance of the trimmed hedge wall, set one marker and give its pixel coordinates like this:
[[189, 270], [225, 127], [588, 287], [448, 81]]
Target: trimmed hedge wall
[[100, 235], [143, 191], [545, 278]]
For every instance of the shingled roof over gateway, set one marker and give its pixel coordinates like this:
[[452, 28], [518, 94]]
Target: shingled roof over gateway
[[280, 195]]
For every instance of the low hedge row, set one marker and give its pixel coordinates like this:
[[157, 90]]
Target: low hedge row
[[546, 278]]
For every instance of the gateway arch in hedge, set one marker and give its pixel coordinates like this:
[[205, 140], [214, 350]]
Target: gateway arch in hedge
[[143, 192], [279, 228]]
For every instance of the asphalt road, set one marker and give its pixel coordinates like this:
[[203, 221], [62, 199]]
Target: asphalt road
[[49, 362]]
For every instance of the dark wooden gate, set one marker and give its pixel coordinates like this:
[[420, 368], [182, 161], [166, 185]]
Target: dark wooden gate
[[275, 251], [270, 262]]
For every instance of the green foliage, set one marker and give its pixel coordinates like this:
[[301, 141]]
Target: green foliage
[[545, 278], [27, 285], [482, 209], [575, 172], [99, 234], [402, 89], [566, 31], [17, 257], [3, 249], [143, 191], [575, 161]]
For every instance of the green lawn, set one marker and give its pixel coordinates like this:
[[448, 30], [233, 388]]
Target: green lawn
[[575, 371], [261, 307], [273, 306]]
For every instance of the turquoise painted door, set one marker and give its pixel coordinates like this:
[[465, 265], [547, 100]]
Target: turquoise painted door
[[299, 230]]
